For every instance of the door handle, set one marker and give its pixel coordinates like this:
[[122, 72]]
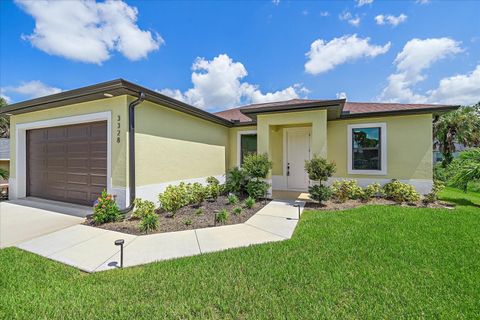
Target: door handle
[[288, 169]]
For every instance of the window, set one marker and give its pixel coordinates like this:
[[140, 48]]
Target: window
[[247, 143], [367, 148]]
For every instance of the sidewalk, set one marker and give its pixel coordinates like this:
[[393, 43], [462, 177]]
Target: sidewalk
[[92, 249]]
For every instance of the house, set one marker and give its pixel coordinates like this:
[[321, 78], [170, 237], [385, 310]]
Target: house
[[134, 142]]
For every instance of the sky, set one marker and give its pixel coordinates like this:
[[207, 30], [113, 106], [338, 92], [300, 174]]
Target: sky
[[218, 55]]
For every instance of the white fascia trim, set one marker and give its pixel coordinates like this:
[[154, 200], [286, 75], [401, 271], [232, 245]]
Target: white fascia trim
[[383, 148], [18, 188], [239, 140]]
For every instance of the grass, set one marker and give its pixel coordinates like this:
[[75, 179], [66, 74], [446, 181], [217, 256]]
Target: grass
[[368, 262]]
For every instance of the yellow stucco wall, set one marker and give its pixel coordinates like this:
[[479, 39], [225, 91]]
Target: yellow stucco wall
[[172, 146], [409, 146], [118, 108]]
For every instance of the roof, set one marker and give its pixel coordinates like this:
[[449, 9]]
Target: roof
[[336, 109], [4, 149]]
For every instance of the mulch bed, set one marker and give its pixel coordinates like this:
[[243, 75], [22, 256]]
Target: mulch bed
[[186, 218], [349, 204]]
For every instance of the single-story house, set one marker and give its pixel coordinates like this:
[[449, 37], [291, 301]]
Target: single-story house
[[134, 142]]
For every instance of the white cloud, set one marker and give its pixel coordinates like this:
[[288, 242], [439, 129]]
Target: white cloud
[[423, 1], [30, 89], [391, 20], [217, 84], [418, 55], [87, 31], [347, 16], [361, 3], [324, 13], [324, 56], [276, 2], [341, 95]]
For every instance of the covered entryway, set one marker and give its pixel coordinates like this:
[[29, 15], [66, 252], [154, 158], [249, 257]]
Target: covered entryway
[[298, 150], [67, 163]]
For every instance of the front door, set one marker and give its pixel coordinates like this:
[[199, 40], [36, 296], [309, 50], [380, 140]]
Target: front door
[[298, 150]]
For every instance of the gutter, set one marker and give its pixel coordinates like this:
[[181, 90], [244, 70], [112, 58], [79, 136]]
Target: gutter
[[131, 151]]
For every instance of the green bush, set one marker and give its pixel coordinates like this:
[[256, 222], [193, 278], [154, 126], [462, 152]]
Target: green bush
[[106, 209], [320, 192], [342, 190], [174, 198], [213, 191], [257, 189], [222, 216], [249, 202], [187, 222], [232, 199], [237, 210], [197, 193], [149, 222], [400, 192], [467, 169], [143, 208], [236, 181], [212, 180], [319, 169], [432, 196], [256, 165], [371, 191]]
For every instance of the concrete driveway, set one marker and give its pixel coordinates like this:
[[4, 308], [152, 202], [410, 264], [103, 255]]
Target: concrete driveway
[[20, 221]]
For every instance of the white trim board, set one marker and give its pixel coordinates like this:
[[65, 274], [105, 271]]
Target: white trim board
[[239, 141], [383, 148], [18, 184]]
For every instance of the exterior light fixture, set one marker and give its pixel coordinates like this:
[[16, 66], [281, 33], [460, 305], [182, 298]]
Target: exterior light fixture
[[120, 243], [296, 205], [108, 95]]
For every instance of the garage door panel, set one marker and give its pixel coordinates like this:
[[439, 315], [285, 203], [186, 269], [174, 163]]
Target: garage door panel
[[68, 163]]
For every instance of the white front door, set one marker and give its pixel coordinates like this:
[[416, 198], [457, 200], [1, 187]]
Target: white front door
[[297, 151]]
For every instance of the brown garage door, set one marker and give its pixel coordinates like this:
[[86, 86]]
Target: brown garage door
[[67, 163]]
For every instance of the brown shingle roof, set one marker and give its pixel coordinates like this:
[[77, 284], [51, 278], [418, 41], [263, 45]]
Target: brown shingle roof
[[368, 107]]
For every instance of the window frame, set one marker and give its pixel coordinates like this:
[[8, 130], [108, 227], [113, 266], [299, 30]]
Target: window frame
[[239, 143], [383, 148]]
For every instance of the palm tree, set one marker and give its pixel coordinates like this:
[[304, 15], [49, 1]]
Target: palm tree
[[4, 121], [467, 168], [459, 126]]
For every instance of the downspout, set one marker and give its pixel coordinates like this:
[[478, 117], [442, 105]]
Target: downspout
[[131, 151]]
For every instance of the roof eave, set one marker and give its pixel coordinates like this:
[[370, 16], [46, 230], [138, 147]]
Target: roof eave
[[433, 110]]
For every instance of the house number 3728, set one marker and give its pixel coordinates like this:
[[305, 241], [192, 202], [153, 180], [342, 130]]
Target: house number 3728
[[118, 129]]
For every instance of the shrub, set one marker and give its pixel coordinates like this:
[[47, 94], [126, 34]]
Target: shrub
[[237, 210], [468, 169], [105, 209], [143, 208], [199, 211], [256, 165], [197, 193], [257, 189], [400, 192], [320, 192], [371, 191], [249, 202], [222, 216], [213, 181], [187, 222], [319, 169], [149, 222], [236, 181], [232, 199], [212, 191], [432, 196], [174, 198], [346, 189]]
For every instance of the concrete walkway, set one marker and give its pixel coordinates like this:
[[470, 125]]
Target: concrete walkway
[[92, 249]]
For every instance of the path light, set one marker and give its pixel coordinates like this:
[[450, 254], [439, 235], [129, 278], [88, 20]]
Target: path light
[[296, 205], [120, 243], [215, 219]]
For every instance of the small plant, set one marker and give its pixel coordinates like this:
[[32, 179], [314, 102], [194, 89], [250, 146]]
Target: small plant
[[249, 202], [319, 170], [199, 211], [232, 199], [149, 222], [257, 189], [237, 211], [174, 198], [236, 181], [400, 192], [371, 191], [143, 208], [105, 209], [346, 189], [256, 165], [198, 193], [320, 192], [222, 216], [213, 191], [432, 196], [188, 222], [212, 180]]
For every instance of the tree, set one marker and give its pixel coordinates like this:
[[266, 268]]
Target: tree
[[467, 168], [4, 121], [319, 170], [459, 126]]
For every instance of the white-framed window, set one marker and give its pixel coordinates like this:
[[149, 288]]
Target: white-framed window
[[367, 148], [246, 143]]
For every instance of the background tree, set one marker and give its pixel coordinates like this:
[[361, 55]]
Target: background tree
[[4, 121], [467, 168], [459, 126]]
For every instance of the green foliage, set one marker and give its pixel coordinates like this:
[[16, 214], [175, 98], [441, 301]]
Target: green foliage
[[467, 169], [441, 173], [199, 211], [143, 208], [3, 174], [187, 222], [319, 169], [257, 189], [459, 126], [400, 192], [4, 121], [222, 216], [249, 202], [212, 180], [232, 199], [106, 209], [197, 193], [236, 181], [371, 191], [319, 193], [213, 191], [237, 211], [256, 165], [342, 190], [174, 198], [149, 222]]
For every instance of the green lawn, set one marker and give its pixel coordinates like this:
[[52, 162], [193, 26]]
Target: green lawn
[[369, 262]]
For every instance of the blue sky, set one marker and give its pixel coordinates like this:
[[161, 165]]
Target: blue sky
[[246, 52]]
